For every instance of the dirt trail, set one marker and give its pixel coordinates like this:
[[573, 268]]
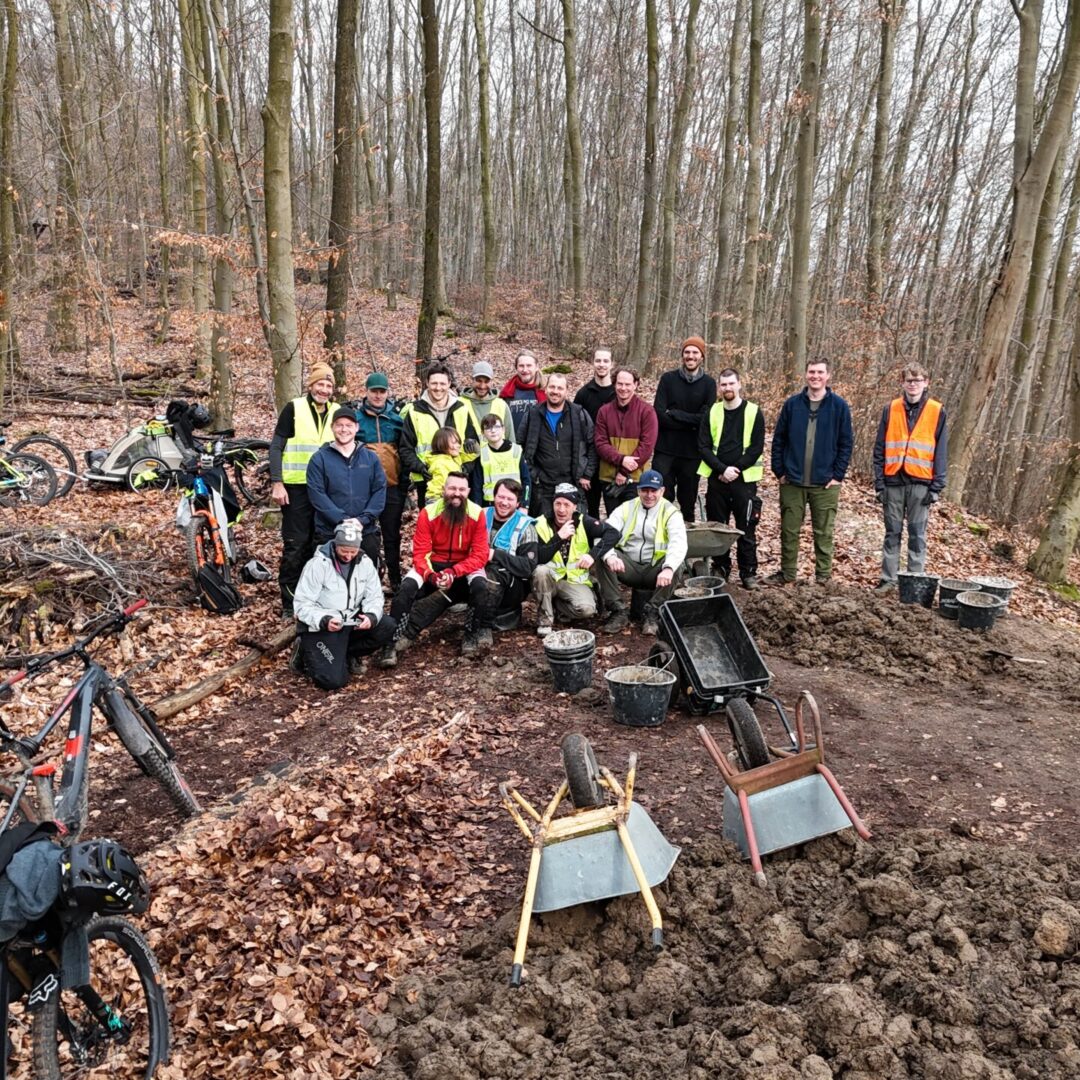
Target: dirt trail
[[917, 956]]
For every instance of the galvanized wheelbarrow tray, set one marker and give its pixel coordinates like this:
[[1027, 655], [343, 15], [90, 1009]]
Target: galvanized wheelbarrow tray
[[598, 851], [706, 540], [790, 800]]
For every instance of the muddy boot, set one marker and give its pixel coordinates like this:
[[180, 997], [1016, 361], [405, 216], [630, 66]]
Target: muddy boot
[[387, 657], [619, 620], [358, 665], [470, 646], [485, 640], [650, 625], [296, 657]]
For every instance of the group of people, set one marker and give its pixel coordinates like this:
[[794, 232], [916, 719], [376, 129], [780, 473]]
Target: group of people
[[509, 487]]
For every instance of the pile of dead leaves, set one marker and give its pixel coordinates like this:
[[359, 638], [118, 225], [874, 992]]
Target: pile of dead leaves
[[281, 928]]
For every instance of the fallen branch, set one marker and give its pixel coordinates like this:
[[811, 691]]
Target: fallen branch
[[192, 695]]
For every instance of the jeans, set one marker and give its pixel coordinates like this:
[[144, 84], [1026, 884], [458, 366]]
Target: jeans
[[823, 503], [905, 502]]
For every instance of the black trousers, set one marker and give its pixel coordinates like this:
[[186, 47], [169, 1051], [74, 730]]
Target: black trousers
[[297, 539], [422, 605], [592, 496], [390, 523], [326, 653], [735, 500], [680, 481], [617, 494]]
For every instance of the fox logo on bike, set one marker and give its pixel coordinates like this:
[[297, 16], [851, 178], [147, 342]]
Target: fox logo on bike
[[44, 992]]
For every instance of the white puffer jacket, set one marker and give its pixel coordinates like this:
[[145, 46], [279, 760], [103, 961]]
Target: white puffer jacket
[[323, 590]]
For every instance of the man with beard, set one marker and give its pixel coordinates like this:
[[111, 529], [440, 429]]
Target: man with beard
[[437, 407], [626, 432], [523, 390], [303, 425], [557, 440], [450, 551], [598, 391], [512, 556], [731, 441], [570, 544], [683, 397]]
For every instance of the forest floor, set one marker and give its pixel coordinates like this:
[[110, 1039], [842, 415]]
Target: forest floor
[[351, 895]]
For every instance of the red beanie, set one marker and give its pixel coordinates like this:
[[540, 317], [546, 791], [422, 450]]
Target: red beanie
[[699, 343]]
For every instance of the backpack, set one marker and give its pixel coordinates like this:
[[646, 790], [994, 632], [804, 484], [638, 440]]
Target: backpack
[[215, 593]]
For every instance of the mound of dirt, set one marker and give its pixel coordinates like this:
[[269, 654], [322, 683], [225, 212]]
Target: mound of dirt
[[834, 624], [922, 957]]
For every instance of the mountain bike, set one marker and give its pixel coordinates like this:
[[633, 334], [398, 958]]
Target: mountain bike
[[25, 479], [57, 454], [248, 457], [32, 794]]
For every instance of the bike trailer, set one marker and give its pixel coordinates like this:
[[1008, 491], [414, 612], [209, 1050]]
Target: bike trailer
[[166, 437]]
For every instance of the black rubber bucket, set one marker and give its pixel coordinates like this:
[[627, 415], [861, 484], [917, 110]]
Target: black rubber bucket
[[996, 586], [570, 676], [570, 645], [706, 581], [948, 590], [978, 610], [917, 588], [639, 695]]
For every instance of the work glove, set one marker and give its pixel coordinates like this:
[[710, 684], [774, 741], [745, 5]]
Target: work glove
[[880, 496]]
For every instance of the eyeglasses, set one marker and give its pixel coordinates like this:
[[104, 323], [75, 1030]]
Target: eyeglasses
[[913, 382]]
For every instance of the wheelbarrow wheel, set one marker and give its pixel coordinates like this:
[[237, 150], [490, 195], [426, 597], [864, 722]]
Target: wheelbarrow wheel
[[582, 772], [746, 731]]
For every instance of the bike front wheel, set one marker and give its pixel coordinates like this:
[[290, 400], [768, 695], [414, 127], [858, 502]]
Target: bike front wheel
[[27, 478], [199, 543], [118, 1024], [57, 454]]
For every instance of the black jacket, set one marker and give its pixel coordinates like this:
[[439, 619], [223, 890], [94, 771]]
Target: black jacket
[[602, 538], [591, 396], [679, 407], [579, 454]]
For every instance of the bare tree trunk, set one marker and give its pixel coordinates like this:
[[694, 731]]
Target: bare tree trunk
[[751, 245], [643, 301], [425, 328], [890, 12], [679, 120], [573, 137], [8, 239], [804, 190], [63, 318], [726, 200], [490, 249], [277, 134], [341, 199], [1011, 283], [388, 154]]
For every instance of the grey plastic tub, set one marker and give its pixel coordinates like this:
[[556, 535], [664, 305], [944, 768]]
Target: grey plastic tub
[[978, 610], [948, 590]]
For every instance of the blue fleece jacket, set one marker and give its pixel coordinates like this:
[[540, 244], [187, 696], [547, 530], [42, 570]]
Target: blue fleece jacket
[[341, 487], [833, 441]]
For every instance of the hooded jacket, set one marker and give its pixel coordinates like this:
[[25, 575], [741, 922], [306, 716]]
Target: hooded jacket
[[340, 590], [481, 407], [413, 450], [340, 487], [462, 549], [521, 397]]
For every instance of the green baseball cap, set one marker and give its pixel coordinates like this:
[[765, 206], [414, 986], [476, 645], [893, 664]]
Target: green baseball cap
[[377, 381]]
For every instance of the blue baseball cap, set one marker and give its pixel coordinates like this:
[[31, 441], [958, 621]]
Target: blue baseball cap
[[650, 478]]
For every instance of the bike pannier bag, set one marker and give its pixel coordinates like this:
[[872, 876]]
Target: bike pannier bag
[[215, 593]]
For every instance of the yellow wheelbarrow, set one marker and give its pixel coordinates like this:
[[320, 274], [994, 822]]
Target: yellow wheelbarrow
[[601, 849]]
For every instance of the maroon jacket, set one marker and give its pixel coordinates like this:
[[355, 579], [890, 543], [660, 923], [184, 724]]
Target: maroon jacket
[[623, 432]]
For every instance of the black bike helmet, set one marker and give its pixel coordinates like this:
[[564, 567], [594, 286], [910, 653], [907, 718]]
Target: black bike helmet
[[253, 571], [199, 415], [99, 875]]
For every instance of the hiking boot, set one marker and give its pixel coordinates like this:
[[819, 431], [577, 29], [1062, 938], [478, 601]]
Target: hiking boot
[[649, 626], [387, 657], [883, 587], [403, 644], [543, 629], [358, 665], [619, 620], [296, 658], [485, 639], [470, 646], [750, 583], [778, 579], [287, 614]]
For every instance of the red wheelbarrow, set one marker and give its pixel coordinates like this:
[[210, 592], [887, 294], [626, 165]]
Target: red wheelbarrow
[[791, 800]]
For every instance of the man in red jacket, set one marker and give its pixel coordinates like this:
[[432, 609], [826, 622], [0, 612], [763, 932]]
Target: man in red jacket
[[626, 433], [450, 553]]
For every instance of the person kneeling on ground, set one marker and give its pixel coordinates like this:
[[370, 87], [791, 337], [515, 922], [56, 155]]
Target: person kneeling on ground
[[649, 554], [512, 551], [571, 543], [450, 551], [339, 602]]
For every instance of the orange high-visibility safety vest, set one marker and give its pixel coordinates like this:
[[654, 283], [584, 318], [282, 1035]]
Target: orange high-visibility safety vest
[[912, 451]]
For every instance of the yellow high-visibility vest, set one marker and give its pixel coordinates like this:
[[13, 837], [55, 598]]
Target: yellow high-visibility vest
[[308, 435], [716, 426]]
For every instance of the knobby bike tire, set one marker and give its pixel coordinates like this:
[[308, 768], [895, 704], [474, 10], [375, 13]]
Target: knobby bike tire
[[62, 459], [746, 731], [41, 478], [253, 480], [198, 543], [582, 772], [70, 1041], [154, 760]]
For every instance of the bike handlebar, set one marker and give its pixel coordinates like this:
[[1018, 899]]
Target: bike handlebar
[[39, 663]]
